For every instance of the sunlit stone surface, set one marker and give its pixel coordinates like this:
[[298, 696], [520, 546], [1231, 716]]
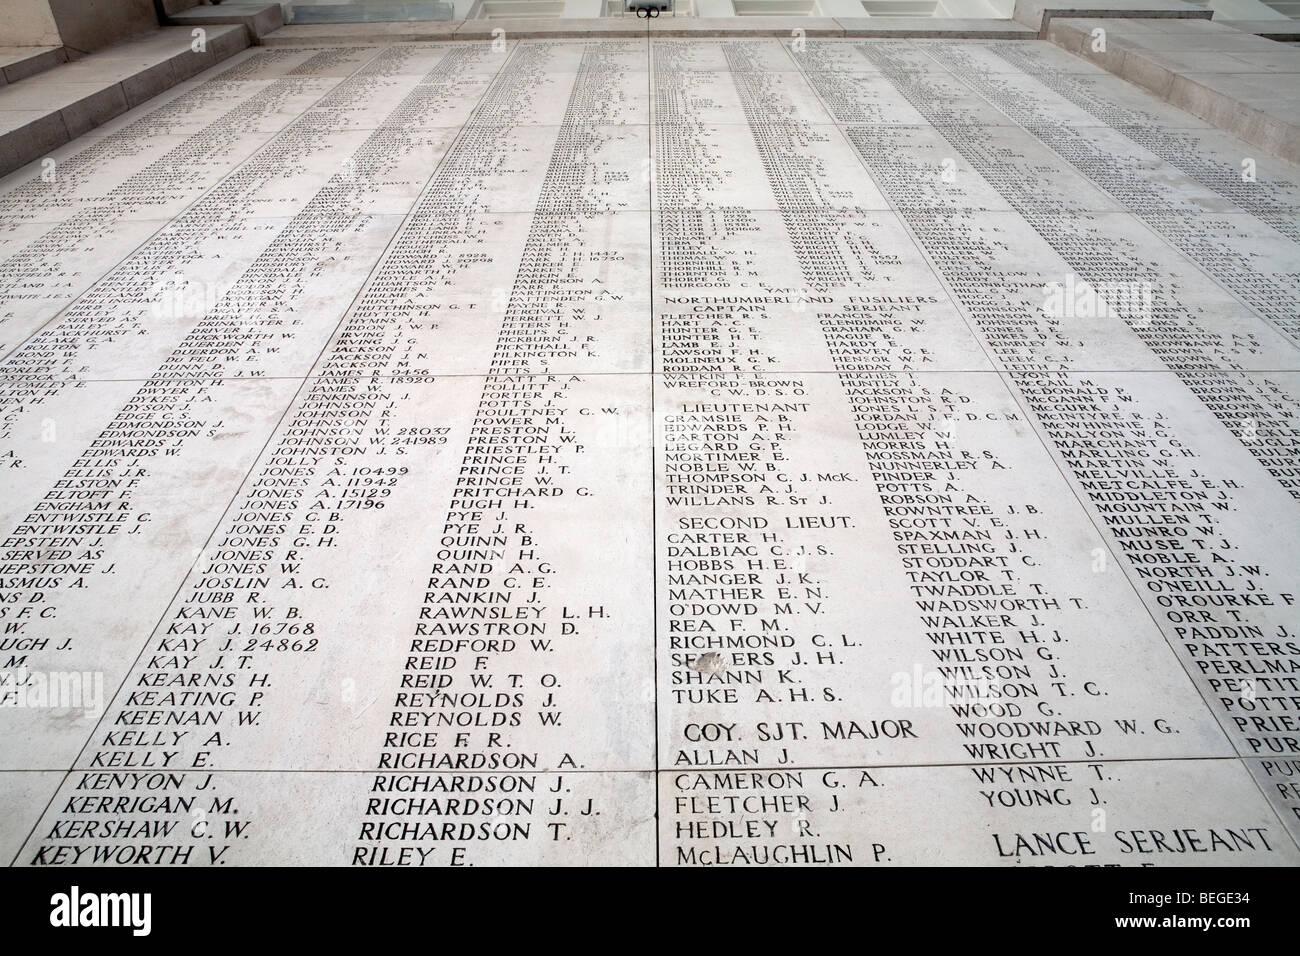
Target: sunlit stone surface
[[625, 452]]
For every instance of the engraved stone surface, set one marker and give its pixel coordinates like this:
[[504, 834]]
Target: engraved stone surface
[[651, 451]]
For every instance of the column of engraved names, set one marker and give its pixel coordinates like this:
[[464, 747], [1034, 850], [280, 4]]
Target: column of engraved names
[[782, 143], [1171, 517], [686, 166], [89, 224], [1228, 248], [1160, 315], [747, 525], [205, 678], [1225, 603], [97, 517], [489, 689], [981, 586], [1194, 354]]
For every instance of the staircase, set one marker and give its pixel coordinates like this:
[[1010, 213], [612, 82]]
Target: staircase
[[46, 101]]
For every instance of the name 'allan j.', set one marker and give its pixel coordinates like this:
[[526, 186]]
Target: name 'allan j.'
[[75, 908]]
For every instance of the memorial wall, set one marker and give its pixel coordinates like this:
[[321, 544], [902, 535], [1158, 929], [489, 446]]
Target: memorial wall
[[626, 452]]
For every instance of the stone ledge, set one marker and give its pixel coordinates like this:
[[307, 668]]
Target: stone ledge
[[1285, 30], [1237, 82], [50, 109], [573, 28], [744, 26], [935, 27], [372, 11], [535, 29], [258, 19], [19, 63], [328, 34], [1039, 14]]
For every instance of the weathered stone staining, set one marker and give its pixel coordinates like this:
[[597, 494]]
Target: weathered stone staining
[[693, 452]]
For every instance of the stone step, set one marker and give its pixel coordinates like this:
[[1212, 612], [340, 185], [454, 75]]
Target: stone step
[[20, 62], [568, 28], [379, 12], [1285, 31], [1237, 81], [258, 19], [59, 104], [1040, 13]]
